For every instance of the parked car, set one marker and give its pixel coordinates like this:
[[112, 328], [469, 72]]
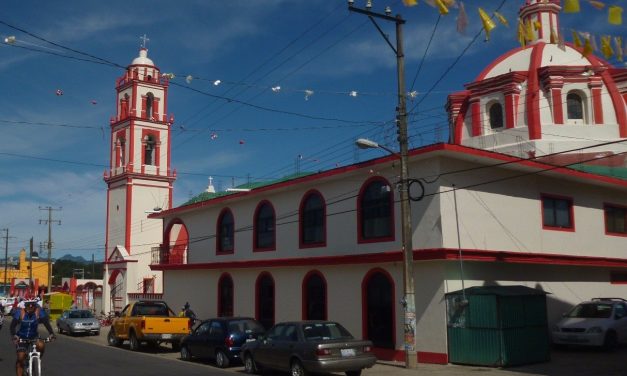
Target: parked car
[[220, 339], [302, 347], [76, 321], [599, 322]]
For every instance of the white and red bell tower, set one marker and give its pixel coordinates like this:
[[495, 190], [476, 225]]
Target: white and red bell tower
[[139, 182]]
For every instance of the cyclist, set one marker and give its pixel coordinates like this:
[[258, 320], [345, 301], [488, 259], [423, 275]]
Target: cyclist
[[28, 319]]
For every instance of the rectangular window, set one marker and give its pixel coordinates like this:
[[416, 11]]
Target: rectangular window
[[557, 213], [615, 218]]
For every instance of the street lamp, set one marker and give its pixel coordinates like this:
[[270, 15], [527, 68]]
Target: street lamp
[[409, 298]]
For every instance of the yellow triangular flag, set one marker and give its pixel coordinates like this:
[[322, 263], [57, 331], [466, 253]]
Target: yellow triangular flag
[[587, 48], [597, 4], [606, 47], [410, 3], [488, 24], [529, 34], [615, 15], [521, 33], [571, 6], [537, 25], [576, 40], [501, 18], [618, 43], [441, 7]]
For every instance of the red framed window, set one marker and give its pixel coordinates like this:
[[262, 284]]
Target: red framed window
[[615, 219], [557, 213], [375, 211], [225, 296], [264, 228], [314, 296], [226, 233], [312, 220]]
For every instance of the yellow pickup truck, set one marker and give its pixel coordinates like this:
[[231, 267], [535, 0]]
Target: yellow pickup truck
[[151, 322]]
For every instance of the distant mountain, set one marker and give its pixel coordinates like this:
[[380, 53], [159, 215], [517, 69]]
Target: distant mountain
[[69, 257]]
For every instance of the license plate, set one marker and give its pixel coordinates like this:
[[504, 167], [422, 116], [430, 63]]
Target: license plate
[[166, 336], [347, 352]]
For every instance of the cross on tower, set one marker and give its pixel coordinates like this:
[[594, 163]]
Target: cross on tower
[[144, 39]]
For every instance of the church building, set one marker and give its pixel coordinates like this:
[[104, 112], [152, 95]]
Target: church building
[[531, 190]]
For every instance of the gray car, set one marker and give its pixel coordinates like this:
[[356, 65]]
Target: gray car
[[303, 347], [76, 321]]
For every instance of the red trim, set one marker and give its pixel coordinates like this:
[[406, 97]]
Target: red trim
[[432, 358], [390, 355], [558, 112], [257, 298], [460, 122], [360, 236], [219, 250], [364, 301], [438, 150], [533, 90], [273, 246], [223, 276], [617, 100], [544, 196], [128, 216], [113, 276], [157, 148], [597, 105], [510, 111], [306, 197], [512, 257], [305, 295], [605, 207]]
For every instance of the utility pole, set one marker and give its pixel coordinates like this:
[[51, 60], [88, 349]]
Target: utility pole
[[6, 257], [30, 265], [409, 298], [49, 222]]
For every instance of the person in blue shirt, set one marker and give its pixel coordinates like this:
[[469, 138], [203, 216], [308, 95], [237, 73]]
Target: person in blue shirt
[[28, 320]]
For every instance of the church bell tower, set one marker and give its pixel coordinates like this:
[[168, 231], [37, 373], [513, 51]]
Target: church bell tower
[[139, 182]]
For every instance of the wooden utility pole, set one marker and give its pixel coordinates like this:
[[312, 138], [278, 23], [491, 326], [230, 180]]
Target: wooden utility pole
[[49, 222], [6, 258]]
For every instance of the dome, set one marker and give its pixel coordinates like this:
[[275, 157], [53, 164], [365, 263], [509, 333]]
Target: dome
[[142, 59]]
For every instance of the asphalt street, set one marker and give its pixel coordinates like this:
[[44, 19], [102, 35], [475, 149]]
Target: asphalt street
[[90, 355]]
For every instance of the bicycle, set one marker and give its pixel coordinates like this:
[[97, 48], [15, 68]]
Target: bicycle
[[106, 320], [32, 366]]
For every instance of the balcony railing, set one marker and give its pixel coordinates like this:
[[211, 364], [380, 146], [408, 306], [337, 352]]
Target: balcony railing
[[162, 255]]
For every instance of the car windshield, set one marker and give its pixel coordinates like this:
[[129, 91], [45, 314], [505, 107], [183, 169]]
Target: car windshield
[[80, 315], [245, 326], [325, 331], [591, 311]]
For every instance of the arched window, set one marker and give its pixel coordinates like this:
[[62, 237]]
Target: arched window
[[149, 150], [375, 211], [264, 291], [378, 308], [226, 234], [312, 220], [314, 297], [264, 232], [225, 296], [574, 106], [150, 102], [496, 115]]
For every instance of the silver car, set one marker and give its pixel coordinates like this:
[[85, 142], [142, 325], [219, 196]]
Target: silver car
[[76, 321], [303, 347]]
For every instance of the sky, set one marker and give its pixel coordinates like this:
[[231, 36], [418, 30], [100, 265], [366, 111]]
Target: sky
[[299, 82]]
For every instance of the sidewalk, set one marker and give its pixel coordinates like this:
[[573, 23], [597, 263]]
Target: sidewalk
[[570, 362]]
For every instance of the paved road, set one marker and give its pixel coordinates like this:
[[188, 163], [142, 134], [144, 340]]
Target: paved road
[[90, 355]]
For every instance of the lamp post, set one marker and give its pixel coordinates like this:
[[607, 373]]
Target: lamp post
[[409, 298]]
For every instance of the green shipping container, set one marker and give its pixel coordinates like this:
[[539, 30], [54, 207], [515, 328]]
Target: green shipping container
[[497, 326]]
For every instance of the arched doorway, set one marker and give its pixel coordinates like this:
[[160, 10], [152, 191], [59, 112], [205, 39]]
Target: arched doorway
[[264, 292], [378, 309], [314, 296], [176, 242], [116, 288]]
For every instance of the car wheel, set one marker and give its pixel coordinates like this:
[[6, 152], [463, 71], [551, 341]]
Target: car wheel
[[296, 368], [222, 361], [249, 364], [185, 353], [133, 343], [112, 340], [610, 341], [353, 373]]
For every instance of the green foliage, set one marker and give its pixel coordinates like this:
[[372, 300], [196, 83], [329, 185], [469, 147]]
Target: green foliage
[[69, 268]]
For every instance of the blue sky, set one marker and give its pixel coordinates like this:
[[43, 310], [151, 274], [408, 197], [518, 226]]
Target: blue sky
[[54, 148]]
